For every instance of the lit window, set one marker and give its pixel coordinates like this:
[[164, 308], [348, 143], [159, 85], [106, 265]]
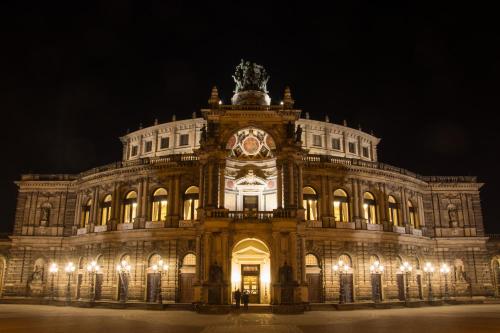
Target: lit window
[[366, 152], [340, 206], [310, 202], [369, 208], [130, 207], [184, 140], [311, 260], [106, 209], [148, 146], [159, 209], [317, 140], [393, 210], [412, 212], [191, 197], [336, 143], [164, 143], [352, 147], [189, 260], [86, 213], [134, 151]]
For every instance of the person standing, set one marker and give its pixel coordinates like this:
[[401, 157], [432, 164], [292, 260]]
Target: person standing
[[246, 298], [237, 298]]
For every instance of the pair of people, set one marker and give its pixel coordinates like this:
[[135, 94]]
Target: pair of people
[[241, 297]]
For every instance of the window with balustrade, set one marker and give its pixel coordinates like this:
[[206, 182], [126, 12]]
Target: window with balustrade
[[340, 206], [310, 202], [106, 209], [130, 207], [159, 207], [85, 220], [191, 200], [370, 208], [412, 215], [393, 210]]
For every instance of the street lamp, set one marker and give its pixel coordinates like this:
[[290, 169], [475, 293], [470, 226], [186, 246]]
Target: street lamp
[[429, 269], [376, 270], [445, 270], [406, 268], [341, 268], [123, 270], [93, 268], [161, 267], [69, 269], [53, 269]]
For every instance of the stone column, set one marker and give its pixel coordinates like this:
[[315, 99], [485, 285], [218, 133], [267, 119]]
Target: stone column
[[421, 215], [222, 182], [303, 257], [275, 266], [404, 208], [199, 261], [201, 186], [206, 254], [176, 194], [324, 197], [210, 185], [293, 254], [171, 197], [226, 269], [95, 206], [355, 199], [291, 182], [300, 189], [145, 198], [78, 210], [279, 185], [359, 194]]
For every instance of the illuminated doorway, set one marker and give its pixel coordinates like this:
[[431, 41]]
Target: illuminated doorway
[[251, 270]]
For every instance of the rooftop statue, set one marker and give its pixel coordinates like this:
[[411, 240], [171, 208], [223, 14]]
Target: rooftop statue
[[250, 76]]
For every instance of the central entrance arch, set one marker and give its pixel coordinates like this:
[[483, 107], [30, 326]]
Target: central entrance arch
[[251, 270]]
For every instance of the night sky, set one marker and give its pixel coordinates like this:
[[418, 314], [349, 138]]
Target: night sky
[[74, 78]]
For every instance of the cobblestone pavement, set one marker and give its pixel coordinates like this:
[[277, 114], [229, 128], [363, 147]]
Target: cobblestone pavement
[[45, 319]]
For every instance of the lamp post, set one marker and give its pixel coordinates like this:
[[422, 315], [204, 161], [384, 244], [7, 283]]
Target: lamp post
[[445, 270], [376, 270], [406, 268], [160, 268], [123, 270], [341, 268], [69, 269], [53, 269], [93, 268], [429, 269]]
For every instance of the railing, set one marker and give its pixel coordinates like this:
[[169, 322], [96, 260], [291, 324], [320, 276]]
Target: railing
[[251, 215], [382, 166], [175, 158], [494, 236]]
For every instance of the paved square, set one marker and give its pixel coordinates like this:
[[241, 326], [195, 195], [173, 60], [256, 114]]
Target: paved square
[[51, 319]]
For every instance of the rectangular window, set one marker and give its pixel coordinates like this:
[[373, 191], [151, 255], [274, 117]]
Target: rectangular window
[[148, 146], [134, 151], [336, 143], [366, 152], [317, 140], [164, 143], [352, 147], [184, 140]]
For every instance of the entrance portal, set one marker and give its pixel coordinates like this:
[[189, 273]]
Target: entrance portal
[[251, 270]]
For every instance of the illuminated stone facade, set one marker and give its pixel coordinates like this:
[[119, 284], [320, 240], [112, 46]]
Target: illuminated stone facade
[[249, 196]]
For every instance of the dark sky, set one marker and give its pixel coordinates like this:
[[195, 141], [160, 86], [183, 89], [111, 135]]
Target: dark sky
[[424, 78]]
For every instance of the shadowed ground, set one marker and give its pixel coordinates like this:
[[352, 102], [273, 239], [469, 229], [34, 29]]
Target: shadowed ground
[[45, 319]]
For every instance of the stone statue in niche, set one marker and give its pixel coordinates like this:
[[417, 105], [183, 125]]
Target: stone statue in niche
[[287, 284], [215, 274], [37, 275], [44, 220], [286, 274], [298, 134], [452, 216], [203, 137]]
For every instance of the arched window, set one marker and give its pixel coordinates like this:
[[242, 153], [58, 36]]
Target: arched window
[[369, 208], [340, 206], [191, 199], [106, 209], [86, 214], [159, 209], [312, 260], [346, 260], [130, 207], [189, 260], [310, 202], [393, 210], [412, 215], [374, 259]]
